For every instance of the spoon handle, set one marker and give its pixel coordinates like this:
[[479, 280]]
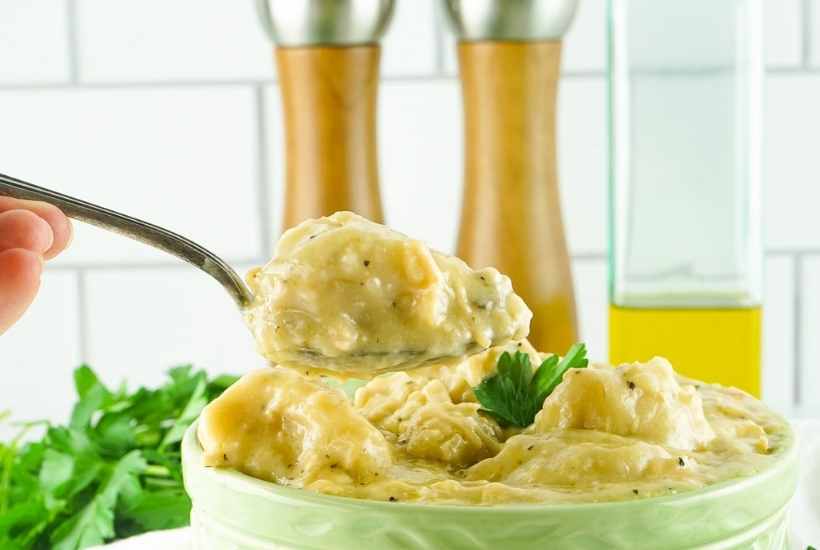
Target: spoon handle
[[133, 228]]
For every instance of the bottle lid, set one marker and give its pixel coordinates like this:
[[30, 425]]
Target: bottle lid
[[513, 20], [325, 22]]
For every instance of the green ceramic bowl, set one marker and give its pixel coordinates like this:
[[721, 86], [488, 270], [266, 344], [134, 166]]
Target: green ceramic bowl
[[232, 511]]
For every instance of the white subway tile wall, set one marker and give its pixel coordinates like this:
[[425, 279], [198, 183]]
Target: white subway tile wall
[[39, 353], [185, 158], [170, 111], [808, 386], [161, 41], [174, 316], [779, 332], [34, 41], [783, 32], [812, 41]]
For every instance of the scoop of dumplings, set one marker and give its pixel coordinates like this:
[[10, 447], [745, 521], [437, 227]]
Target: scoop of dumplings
[[348, 295]]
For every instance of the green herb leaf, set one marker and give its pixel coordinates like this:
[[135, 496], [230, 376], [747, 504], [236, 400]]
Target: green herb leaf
[[165, 509], [93, 396], [551, 371], [514, 395], [94, 524], [113, 471]]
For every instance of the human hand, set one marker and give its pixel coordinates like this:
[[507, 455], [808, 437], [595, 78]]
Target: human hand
[[30, 233]]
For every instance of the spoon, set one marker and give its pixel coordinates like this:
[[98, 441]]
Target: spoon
[[214, 266], [133, 228]]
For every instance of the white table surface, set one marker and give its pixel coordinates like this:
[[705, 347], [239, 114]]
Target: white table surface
[[805, 514]]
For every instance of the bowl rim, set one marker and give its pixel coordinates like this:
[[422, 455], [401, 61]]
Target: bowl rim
[[192, 453]]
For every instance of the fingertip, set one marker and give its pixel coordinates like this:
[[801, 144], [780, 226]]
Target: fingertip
[[61, 227], [24, 229], [20, 273]]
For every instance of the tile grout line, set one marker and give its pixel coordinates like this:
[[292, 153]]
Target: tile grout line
[[82, 315], [204, 83], [440, 76], [73, 38], [387, 79], [159, 264], [263, 173], [797, 336], [808, 38]]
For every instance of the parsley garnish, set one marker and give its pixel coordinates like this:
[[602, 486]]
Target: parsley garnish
[[112, 472], [514, 395]]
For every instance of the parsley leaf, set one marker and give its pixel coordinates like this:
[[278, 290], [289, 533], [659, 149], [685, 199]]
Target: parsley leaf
[[113, 471], [514, 395]]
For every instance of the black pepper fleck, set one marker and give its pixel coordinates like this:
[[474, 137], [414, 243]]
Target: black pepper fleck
[[366, 263], [334, 465], [530, 447], [392, 499], [313, 236], [224, 457], [393, 304], [681, 462], [635, 491], [631, 385]]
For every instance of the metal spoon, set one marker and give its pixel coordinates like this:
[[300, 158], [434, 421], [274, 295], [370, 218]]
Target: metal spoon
[[211, 264], [133, 228]]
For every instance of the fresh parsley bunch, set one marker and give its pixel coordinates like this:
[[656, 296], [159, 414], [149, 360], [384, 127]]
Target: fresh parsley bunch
[[514, 395], [112, 472]]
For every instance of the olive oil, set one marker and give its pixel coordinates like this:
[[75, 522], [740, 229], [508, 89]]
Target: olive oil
[[713, 345]]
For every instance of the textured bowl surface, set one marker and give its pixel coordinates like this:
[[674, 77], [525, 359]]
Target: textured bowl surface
[[232, 511]]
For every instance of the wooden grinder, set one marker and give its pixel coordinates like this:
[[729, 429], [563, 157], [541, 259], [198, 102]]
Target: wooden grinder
[[327, 54], [510, 58]]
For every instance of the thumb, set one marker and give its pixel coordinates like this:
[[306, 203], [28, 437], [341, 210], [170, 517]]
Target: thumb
[[20, 272]]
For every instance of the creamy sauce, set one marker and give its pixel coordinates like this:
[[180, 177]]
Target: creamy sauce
[[345, 294], [606, 433]]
